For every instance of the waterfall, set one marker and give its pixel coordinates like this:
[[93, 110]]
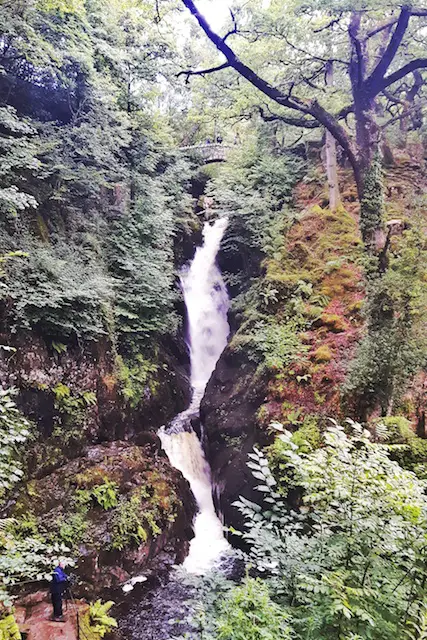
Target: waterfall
[[207, 305]]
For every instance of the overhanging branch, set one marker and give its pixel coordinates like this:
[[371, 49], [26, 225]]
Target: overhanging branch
[[307, 107], [303, 123], [391, 50], [201, 72], [419, 63]]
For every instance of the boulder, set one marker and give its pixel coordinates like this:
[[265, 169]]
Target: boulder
[[149, 516]]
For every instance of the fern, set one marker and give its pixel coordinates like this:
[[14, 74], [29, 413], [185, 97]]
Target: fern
[[100, 621], [418, 626]]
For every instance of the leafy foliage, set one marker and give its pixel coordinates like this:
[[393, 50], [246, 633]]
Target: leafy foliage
[[105, 495], [9, 627], [278, 344], [97, 622], [254, 190], [90, 152], [100, 621], [248, 613], [14, 432], [350, 559], [393, 347], [19, 162], [29, 556]]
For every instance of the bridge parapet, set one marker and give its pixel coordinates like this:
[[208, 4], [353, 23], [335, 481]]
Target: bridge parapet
[[210, 152]]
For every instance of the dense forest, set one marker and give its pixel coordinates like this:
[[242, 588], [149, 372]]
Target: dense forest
[[173, 171]]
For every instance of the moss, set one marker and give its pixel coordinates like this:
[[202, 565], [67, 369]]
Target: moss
[[372, 204], [322, 354], [263, 416], [333, 322], [355, 307], [42, 228], [339, 282], [93, 476]]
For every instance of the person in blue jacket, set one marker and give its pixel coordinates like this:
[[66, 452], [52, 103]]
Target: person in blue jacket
[[58, 586]]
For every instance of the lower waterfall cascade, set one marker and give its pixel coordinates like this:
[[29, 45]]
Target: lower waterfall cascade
[[207, 305]]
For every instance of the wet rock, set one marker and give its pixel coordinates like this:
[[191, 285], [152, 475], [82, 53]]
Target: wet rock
[[149, 520], [228, 414], [33, 614], [156, 611], [97, 409]]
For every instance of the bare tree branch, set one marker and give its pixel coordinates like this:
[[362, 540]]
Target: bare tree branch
[[312, 56], [383, 65], [234, 29], [419, 63], [303, 123], [329, 25], [404, 113], [382, 27], [414, 12], [202, 72]]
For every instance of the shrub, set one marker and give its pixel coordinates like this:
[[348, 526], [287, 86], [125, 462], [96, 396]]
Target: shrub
[[248, 613], [277, 344], [398, 429], [412, 455], [14, 432], [135, 377], [351, 561]]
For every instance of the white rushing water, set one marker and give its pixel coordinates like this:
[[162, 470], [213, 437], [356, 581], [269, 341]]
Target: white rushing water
[[207, 304]]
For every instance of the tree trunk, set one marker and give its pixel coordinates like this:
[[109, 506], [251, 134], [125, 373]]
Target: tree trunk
[[331, 154]]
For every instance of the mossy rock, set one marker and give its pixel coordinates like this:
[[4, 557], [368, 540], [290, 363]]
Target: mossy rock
[[87, 504], [322, 354], [333, 322]]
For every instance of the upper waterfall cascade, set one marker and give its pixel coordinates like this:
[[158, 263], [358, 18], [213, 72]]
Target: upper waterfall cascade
[[207, 304]]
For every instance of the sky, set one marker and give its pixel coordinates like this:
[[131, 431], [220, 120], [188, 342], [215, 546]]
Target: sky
[[215, 11]]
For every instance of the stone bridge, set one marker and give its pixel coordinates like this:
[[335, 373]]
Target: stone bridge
[[214, 152]]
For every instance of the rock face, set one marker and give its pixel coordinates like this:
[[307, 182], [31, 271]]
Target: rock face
[[121, 508], [37, 368], [228, 412]]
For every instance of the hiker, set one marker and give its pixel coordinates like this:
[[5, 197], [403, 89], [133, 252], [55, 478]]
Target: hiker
[[219, 139], [58, 586]]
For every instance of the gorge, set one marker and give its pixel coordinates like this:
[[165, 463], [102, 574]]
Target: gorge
[[207, 303]]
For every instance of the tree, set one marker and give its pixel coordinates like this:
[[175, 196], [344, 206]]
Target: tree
[[331, 154], [375, 58]]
